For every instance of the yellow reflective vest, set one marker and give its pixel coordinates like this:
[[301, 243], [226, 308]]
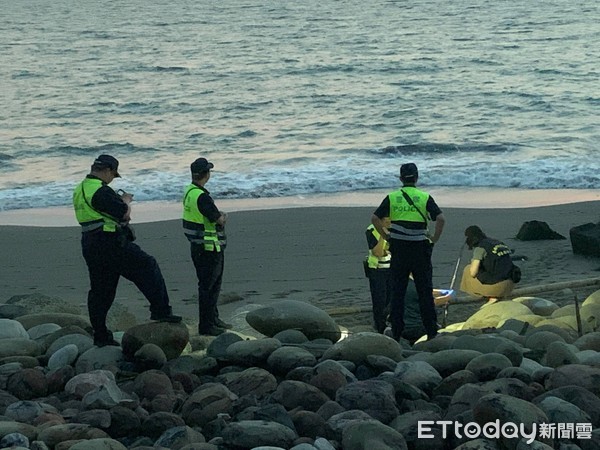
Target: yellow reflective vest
[[197, 228], [408, 224], [86, 215], [375, 262]]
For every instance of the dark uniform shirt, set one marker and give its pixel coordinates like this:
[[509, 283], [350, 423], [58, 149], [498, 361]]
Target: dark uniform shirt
[[207, 207], [107, 201], [371, 240]]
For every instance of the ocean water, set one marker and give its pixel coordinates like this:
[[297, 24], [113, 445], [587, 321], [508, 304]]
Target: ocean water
[[297, 98]]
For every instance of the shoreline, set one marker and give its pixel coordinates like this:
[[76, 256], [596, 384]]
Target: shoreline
[[307, 253], [446, 197]]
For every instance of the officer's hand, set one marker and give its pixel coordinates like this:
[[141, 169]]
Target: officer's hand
[[127, 197]]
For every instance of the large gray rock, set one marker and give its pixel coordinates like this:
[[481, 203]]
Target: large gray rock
[[358, 346], [217, 348], [309, 424], [178, 437], [258, 433], [505, 408], [62, 319], [48, 339], [149, 356], [12, 329], [585, 239], [338, 422], [159, 422], [170, 337], [561, 411], [559, 354], [98, 358], [284, 359], [252, 352], [464, 399], [26, 410], [589, 358], [292, 394], [575, 374], [83, 343], [28, 384], [206, 403], [407, 425], [63, 357], [54, 435], [376, 398], [487, 367], [15, 440], [19, 347], [447, 362], [590, 341], [512, 387], [151, 383], [98, 444], [290, 314], [330, 365], [83, 383], [252, 381], [41, 330], [8, 427], [492, 343], [578, 396], [540, 340], [371, 434], [105, 397], [452, 382], [419, 374]]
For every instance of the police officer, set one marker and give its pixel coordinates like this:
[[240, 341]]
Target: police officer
[[204, 227], [109, 252], [378, 272], [410, 210]]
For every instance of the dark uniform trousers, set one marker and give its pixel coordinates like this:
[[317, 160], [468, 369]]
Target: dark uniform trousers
[[412, 257], [209, 270], [380, 284], [107, 259]]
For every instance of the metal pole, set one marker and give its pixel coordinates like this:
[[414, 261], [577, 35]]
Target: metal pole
[[447, 304], [578, 316]]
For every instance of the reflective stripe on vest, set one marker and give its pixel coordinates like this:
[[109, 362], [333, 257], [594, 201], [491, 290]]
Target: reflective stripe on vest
[[373, 261], [86, 215], [407, 223], [197, 228]]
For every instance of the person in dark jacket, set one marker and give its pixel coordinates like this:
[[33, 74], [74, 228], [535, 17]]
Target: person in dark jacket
[[490, 272]]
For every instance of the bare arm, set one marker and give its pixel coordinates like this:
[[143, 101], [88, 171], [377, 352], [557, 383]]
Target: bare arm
[[379, 249], [440, 221], [474, 267]]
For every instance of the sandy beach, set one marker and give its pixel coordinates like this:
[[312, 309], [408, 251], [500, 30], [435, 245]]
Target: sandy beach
[[305, 253]]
